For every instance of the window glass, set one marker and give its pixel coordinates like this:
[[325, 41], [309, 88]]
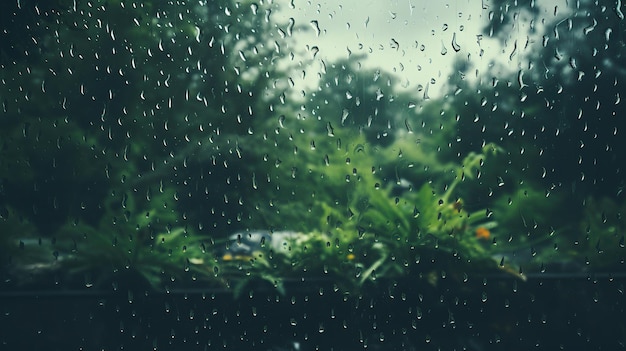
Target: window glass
[[302, 175]]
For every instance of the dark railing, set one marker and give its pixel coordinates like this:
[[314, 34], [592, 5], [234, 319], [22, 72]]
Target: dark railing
[[547, 311]]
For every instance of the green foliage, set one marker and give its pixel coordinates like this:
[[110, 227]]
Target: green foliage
[[158, 131], [90, 166], [601, 242], [132, 238], [356, 231]]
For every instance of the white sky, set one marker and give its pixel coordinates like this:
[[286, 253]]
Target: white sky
[[423, 30]]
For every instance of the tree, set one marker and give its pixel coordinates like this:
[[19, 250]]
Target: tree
[[571, 85], [117, 119]]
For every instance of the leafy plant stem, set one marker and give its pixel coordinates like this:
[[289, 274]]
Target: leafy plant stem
[[372, 268]]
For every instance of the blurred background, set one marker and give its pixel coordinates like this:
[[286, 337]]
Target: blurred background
[[282, 175]]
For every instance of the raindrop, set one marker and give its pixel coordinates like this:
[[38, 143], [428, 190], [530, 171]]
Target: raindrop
[[316, 27], [292, 22], [344, 116], [455, 46], [197, 34], [618, 10], [330, 130], [444, 50], [314, 51]]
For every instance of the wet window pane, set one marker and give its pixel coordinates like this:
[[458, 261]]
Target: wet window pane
[[300, 175]]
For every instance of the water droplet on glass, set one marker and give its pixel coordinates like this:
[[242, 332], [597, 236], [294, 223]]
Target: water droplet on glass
[[444, 50], [316, 27], [455, 46]]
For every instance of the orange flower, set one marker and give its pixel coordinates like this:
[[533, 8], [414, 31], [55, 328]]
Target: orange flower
[[482, 233]]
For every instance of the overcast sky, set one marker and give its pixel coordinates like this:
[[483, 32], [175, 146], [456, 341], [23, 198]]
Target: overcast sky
[[417, 39]]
